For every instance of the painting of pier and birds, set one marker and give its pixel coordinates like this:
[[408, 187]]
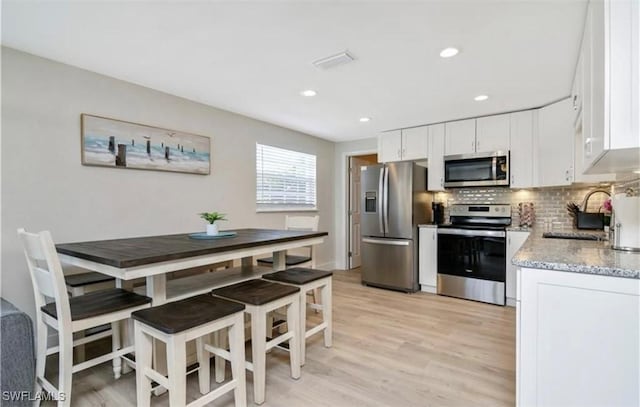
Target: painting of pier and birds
[[120, 144]]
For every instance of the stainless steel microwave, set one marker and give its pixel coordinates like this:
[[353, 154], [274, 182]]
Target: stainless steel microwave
[[475, 170]]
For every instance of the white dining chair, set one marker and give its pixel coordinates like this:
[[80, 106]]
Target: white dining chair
[[70, 315], [301, 223]]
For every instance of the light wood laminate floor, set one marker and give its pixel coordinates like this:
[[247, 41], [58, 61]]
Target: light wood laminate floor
[[389, 349]]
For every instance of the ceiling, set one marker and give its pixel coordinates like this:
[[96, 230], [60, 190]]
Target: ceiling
[[254, 58]]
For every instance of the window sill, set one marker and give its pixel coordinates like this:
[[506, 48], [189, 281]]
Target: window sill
[[264, 210]]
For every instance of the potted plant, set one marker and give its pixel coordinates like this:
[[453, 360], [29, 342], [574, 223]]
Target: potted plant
[[212, 217]]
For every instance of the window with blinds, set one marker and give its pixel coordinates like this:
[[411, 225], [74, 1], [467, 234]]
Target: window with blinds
[[285, 179]]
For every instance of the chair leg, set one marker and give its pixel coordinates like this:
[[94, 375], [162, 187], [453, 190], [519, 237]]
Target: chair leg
[[65, 366], [258, 349], [144, 353], [126, 335], [238, 373], [293, 324], [41, 354], [115, 346], [177, 370], [204, 373], [302, 327], [220, 338], [327, 313]]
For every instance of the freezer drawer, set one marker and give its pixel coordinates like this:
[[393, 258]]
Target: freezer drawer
[[389, 263]]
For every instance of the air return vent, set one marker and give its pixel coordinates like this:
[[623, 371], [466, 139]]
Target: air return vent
[[333, 61]]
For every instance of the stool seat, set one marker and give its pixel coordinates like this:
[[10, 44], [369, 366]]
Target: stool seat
[[82, 279], [255, 292], [297, 275], [290, 260], [179, 316], [99, 303]]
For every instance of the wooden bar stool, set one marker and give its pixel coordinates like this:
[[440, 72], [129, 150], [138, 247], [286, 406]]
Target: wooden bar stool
[[70, 315], [261, 297], [175, 324], [309, 280]]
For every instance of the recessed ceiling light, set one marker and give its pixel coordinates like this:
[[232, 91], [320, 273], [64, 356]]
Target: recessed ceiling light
[[365, 119], [308, 92], [449, 52], [481, 98]]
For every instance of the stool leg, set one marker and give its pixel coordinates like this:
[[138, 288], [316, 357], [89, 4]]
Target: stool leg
[[204, 373], [327, 314], [177, 370], [293, 324], [220, 338], [144, 353], [302, 325], [258, 351], [238, 373], [41, 353], [115, 346], [65, 365]]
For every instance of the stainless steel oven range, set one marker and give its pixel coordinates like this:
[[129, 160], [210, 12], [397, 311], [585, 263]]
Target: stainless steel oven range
[[472, 253]]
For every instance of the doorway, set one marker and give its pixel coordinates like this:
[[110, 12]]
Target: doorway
[[353, 209]]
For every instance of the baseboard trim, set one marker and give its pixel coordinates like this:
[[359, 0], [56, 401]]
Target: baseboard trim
[[511, 302], [428, 289]]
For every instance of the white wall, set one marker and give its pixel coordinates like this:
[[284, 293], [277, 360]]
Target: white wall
[[44, 186], [342, 151]]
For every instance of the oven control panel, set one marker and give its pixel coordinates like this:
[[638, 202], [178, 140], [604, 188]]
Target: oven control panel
[[480, 210]]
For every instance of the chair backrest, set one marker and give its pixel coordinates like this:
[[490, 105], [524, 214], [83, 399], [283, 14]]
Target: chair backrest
[[308, 223], [46, 272]]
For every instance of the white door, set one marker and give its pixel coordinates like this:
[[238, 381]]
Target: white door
[[390, 146], [435, 174], [355, 256], [492, 133], [521, 158], [460, 137], [415, 143], [554, 166]]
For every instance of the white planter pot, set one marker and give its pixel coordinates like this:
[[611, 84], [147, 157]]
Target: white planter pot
[[212, 230]]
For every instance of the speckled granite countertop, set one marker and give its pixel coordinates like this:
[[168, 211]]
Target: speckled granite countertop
[[577, 256], [427, 225]]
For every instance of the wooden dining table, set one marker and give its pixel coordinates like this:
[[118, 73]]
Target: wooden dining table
[[152, 257]]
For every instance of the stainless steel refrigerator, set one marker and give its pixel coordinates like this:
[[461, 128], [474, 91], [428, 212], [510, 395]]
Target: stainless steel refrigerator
[[394, 202]]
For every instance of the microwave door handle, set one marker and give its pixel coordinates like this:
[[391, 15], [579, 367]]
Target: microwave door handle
[[494, 168], [386, 200], [380, 200]]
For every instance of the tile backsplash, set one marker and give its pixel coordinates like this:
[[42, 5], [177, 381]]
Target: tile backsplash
[[549, 203]]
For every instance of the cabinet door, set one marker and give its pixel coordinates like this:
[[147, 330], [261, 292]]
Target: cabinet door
[[594, 141], [554, 166], [390, 146], [415, 143], [578, 340], [515, 240], [576, 89], [435, 174], [492, 133], [460, 137], [428, 259], [521, 142]]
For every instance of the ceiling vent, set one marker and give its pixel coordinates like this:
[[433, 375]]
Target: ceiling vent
[[333, 61]]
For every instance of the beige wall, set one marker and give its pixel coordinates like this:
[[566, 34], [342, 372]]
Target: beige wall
[[44, 187]]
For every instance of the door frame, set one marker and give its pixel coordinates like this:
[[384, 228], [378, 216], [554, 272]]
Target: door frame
[[342, 241]]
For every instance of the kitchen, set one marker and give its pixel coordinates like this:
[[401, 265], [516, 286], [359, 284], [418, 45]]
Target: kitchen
[[462, 176]]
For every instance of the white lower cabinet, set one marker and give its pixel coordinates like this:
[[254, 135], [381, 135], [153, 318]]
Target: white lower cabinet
[[515, 240], [578, 339], [428, 258]]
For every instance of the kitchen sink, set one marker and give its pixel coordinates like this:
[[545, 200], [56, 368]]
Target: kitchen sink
[[574, 235]]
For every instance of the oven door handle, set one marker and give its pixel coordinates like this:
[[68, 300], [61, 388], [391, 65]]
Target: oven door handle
[[473, 233]]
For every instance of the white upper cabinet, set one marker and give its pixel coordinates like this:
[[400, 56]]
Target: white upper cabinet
[[415, 143], [407, 144], [577, 88], [460, 137], [390, 146], [492, 133], [554, 147], [435, 175], [521, 142], [611, 88]]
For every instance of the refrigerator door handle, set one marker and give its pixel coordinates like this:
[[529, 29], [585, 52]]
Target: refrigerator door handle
[[385, 198], [380, 200], [388, 242]]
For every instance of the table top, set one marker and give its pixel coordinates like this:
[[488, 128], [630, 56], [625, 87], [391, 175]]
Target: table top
[[139, 251]]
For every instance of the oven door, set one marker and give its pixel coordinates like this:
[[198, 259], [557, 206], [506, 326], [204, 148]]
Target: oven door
[[472, 264]]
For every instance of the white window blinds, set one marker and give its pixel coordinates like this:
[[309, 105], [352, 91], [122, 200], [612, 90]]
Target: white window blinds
[[285, 179]]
